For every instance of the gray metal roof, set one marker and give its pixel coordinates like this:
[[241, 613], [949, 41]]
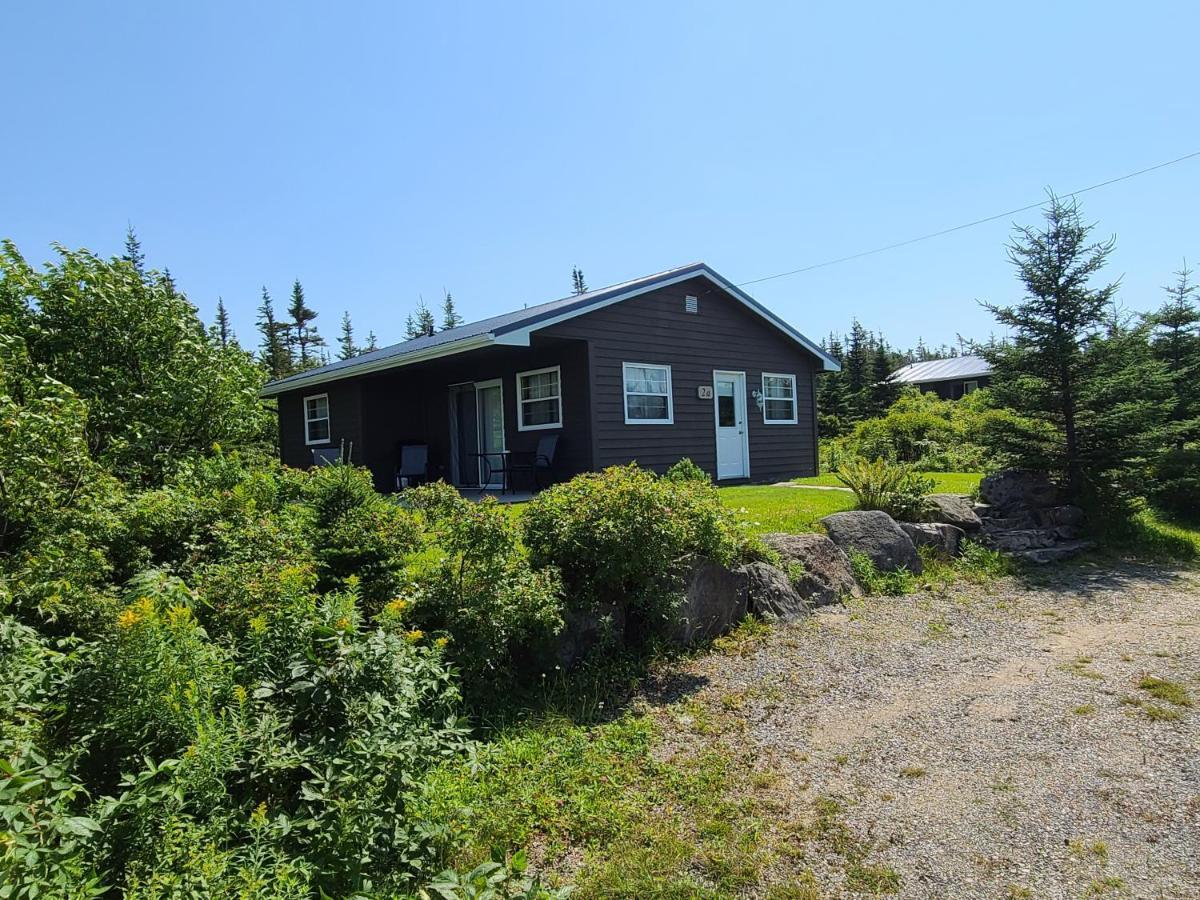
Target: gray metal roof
[[511, 327], [942, 370]]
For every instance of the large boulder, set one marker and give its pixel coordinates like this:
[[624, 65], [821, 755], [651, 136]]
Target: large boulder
[[715, 601], [953, 509], [875, 534], [1059, 517], [943, 537], [586, 630], [819, 570], [769, 592], [1018, 490]]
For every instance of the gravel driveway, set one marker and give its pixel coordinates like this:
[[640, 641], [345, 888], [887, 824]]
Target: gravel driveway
[[980, 741]]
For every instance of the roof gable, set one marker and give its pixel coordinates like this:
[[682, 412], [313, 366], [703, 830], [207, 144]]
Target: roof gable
[[515, 328]]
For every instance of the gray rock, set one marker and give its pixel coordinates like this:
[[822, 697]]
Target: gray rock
[[877, 535], [714, 602], [1018, 489], [1023, 539], [770, 592], [1042, 555], [1009, 523], [1071, 516], [819, 570], [953, 509], [586, 630], [943, 537]]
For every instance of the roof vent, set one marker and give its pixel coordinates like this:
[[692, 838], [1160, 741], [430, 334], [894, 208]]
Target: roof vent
[[691, 304]]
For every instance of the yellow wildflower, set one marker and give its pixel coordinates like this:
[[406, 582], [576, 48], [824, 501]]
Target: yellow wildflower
[[258, 624], [413, 636], [397, 606], [179, 614], [128, 618], [442, 642], [342, 624], [239, 693]]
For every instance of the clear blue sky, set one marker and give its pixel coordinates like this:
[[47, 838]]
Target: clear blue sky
[[382, 151]]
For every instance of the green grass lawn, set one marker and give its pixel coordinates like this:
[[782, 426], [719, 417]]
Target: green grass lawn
[[944, 482], [784, 508]]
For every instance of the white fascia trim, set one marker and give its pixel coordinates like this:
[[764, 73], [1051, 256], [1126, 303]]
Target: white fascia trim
[[394, 362], [520, 336]]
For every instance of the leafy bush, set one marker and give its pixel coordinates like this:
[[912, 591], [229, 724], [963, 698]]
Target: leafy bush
[[473, 583], [686, 470], [896, 489], [498, 879], [625, 535]]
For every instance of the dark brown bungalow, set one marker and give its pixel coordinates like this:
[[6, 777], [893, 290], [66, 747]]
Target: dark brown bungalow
[[950, 379], [682, 363]]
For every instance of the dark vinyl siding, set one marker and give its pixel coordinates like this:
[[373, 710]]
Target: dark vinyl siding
[[653, 328], [345, 421], [410, 405]]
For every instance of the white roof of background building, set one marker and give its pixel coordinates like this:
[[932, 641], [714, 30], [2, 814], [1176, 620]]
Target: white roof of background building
[[942, 370]]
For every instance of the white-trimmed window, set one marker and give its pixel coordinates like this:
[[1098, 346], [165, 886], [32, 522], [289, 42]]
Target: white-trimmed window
[[970, 387], [647, 394], [779, 399], [539, 399], [316, 419]]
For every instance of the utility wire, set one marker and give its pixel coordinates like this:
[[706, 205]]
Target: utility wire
[[926, 237]]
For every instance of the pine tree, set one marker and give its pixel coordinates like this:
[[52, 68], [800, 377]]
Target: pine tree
[[223, 329], [857, 367], [883, 393], [421, 323], [1175, 340], [303, 338], [346, 346], [450, 316], [578, 285], [272, 348], [833, 399], [1069, 368], [372, 343], [133, 251]]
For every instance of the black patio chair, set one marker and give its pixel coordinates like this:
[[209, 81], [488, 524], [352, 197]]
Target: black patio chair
[[414, 466], [533, 462], [326, 456]]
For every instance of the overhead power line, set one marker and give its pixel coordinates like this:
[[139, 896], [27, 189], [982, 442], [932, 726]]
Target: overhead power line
[[931, 235]]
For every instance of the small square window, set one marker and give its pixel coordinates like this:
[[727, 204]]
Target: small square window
[[647, 394], [779, 399]]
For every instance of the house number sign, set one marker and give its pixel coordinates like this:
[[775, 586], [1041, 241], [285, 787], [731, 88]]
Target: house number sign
[[704, 392]]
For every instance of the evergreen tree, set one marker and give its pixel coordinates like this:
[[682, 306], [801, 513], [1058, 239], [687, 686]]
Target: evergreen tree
[[372, 343], [857, 367], [273, 351], [833, 399], [1175, 340], [450, 316], [1068, 365], [421, 323], [133, 251], [346, 346], [224, 331], [578, 285], [303, 338], [882, 392]]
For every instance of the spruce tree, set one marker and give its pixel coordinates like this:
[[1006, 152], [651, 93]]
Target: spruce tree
[[578, 285], [1175, 340], [224, 330], [133, 251], [450, 316], [1068, 365], [304, 340], [882, 392], [346, 346], [421, 323], [857, 369], [372, 343], [273, 351]]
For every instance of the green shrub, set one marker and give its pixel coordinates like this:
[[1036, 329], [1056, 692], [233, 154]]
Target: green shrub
[[472, 582], [895, 489], [888, 584], [686, 470], [625, 536]]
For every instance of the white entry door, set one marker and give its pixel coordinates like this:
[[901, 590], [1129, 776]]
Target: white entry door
[[489, 401], [733, 447]]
